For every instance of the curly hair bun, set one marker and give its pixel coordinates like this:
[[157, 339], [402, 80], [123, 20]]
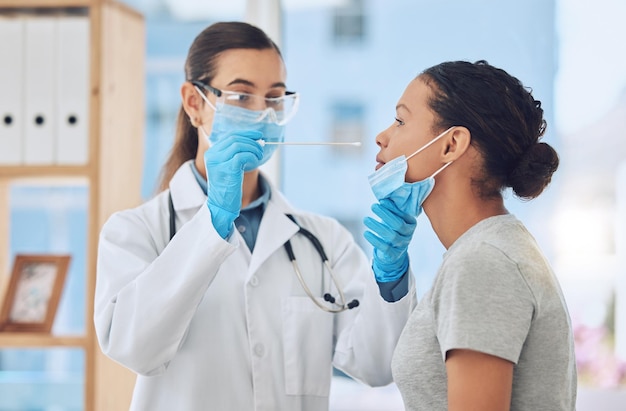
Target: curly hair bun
[[534, 171]]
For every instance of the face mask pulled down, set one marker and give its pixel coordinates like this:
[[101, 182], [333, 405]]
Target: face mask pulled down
[[389, 182]]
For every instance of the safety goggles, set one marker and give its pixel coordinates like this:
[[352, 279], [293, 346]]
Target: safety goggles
[[278, 110]]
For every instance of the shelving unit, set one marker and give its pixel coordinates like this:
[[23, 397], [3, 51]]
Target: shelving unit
[[111, 172]]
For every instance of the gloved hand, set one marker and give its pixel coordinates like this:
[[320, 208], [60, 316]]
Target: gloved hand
[[224, 163], [390, 237]]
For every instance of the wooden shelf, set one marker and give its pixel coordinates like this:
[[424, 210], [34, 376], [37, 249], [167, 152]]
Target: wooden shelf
[[47, 172], [30, 4], [113, 172], [21, 340]]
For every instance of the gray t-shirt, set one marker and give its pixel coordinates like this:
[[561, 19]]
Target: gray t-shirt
[[495, 293]]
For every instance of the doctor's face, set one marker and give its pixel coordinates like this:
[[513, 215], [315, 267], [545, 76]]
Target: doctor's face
[[411, 130], [258, 72]]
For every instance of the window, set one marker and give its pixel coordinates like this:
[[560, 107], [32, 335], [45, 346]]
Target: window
[[349, 23], [347, 126]]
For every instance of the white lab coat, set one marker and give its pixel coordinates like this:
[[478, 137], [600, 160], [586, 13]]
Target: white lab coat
[[207, 325]]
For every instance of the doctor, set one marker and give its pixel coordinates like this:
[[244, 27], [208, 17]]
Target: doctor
[[196, 291]]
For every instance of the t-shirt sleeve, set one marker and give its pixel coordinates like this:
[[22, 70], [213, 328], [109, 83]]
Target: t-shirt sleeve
[[482, 303]]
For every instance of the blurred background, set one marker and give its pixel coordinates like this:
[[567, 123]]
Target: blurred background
[[350, 60]]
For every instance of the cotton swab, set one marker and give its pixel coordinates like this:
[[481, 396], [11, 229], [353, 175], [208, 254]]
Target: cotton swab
[[318, 143]]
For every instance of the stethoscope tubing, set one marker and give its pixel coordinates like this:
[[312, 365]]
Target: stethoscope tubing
[[341, 306]]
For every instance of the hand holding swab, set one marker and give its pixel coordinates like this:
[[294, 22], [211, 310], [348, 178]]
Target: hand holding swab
[[314, 143]]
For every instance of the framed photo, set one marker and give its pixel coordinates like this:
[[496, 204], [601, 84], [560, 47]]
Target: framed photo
[[33, 293]]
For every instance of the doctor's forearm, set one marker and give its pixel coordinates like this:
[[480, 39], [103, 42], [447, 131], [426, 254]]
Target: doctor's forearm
[[395, 290], [133, 326], [365, 348]]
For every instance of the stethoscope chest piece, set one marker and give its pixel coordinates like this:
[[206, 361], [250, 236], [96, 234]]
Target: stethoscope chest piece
[[335, 307]]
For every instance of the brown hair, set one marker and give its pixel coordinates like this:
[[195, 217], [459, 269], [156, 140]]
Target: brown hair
[[505, 120], [200, 65]]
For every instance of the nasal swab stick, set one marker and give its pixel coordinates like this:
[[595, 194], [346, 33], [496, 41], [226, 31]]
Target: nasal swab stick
[[298, 143]]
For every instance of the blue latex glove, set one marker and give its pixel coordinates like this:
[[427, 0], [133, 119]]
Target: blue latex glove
[[225, 162], [390, 237]]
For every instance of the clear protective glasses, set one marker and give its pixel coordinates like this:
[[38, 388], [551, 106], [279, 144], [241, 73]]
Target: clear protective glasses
[[278, 110]]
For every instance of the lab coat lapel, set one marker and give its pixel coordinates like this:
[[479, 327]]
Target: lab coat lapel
[[275, 229]]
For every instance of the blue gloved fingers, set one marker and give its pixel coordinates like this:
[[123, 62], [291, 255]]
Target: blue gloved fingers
[[392, 210], [389, 261], [393, 234], [238, 148], [384, 249], [376, 241], [252, 135], [391, 206], [388, 212], [381, 229], [390, 238], [392, 221], [388, 245], [397, 232], [225, 148], [225, 162]]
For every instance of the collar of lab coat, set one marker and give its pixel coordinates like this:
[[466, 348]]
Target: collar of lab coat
[[186, 192], [275, 229]]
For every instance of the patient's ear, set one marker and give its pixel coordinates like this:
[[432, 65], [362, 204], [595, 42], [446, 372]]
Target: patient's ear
[[456, 143]]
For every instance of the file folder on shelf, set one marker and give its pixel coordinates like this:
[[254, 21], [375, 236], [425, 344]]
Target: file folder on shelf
[[39, 87], [72, 93], [11, 83]]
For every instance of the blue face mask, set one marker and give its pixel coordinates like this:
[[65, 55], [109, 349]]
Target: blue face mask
[[389, 182], [231, 118]]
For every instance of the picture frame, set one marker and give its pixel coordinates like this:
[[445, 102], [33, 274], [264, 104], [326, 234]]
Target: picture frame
[[33, 293]]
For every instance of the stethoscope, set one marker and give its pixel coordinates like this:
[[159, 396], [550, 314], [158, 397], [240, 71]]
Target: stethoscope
[[336, 307]]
